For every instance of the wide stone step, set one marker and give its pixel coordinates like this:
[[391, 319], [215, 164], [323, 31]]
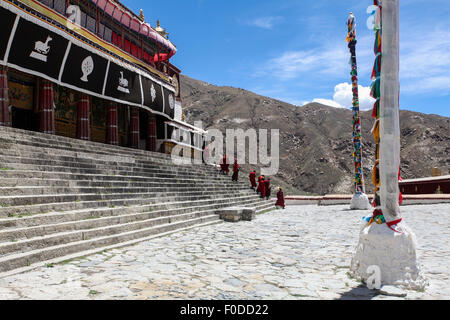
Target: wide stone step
[[15, 136], [14, 142], [48, 175], [96, 152], [39, 182], [28, 191], [103, 171], [29, 225], [51, 154], [83, 222], [83, 163], [6, 201], [6, 211]]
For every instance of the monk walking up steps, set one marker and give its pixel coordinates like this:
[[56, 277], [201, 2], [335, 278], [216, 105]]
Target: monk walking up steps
[[280, 199], [267, 188], [235, 176], [252, 178], [261, 187]]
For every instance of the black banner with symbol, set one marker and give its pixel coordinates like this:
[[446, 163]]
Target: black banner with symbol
[[85, 70], [6, 24], [38, 49]]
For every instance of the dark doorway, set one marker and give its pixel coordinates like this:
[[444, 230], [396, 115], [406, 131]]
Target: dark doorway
[[143, 128], [24, 119]]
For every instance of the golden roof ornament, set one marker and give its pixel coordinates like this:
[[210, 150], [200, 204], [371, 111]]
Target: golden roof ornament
[[141, 15], [161, 30]]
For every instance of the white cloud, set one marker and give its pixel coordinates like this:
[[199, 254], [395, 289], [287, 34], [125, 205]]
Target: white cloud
[[264, 22], [343, 97], [328, 102], [331, 60]]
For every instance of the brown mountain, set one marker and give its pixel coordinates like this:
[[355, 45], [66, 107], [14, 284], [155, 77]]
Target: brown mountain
[[316, 140]]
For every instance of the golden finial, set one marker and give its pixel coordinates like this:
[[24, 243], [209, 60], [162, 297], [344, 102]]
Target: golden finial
[[161, 30], [141, 15]]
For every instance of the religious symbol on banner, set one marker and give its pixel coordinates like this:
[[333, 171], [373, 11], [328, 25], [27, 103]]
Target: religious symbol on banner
[[41, 49], [153, 93], [87, 67], [123, 84]]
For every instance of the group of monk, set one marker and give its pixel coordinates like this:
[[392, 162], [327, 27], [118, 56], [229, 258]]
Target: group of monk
[[263, 187]]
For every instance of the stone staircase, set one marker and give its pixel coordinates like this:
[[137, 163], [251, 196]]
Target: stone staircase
[[61, 197]]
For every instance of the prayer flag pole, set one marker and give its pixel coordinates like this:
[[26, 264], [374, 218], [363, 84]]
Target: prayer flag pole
[[360, 200]]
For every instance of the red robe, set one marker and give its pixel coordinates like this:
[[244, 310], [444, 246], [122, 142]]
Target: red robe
[[252, 178], [280, 199], [261, 187], [267, 187], [235, 171], [225, 166]]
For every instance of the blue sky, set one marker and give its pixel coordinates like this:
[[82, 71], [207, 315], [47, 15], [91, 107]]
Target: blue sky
[[295, 50]]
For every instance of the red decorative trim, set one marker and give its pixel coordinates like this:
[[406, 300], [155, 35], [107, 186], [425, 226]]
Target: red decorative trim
[[112, 134], [4, 98], [46, 107], [134, 128], [83, 118], [151, 134]]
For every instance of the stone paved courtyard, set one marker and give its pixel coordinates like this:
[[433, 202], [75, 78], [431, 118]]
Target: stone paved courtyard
[[302, 252]]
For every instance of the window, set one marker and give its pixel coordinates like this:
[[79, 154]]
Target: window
[[108, 35], [101, 30], [83, 19], [91, 24]]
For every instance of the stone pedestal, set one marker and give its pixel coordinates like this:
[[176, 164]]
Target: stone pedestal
[[360, 201], [392, 252], [237, 214]]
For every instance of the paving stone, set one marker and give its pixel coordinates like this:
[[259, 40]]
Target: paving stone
[[393, 291]]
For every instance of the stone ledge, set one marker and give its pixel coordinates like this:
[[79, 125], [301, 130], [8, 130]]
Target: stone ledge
[[236, 214]]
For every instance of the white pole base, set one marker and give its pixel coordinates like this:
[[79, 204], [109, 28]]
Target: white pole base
[[393, 253], [360, 201]]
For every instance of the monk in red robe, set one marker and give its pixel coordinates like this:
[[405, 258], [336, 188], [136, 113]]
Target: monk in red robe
[[252, 178], [225, 165], [268, 188], [235, 176], [280, 199], [261, 187]]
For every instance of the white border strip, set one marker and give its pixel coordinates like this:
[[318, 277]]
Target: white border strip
[[106, 78], [63, 65], [11, 38]]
